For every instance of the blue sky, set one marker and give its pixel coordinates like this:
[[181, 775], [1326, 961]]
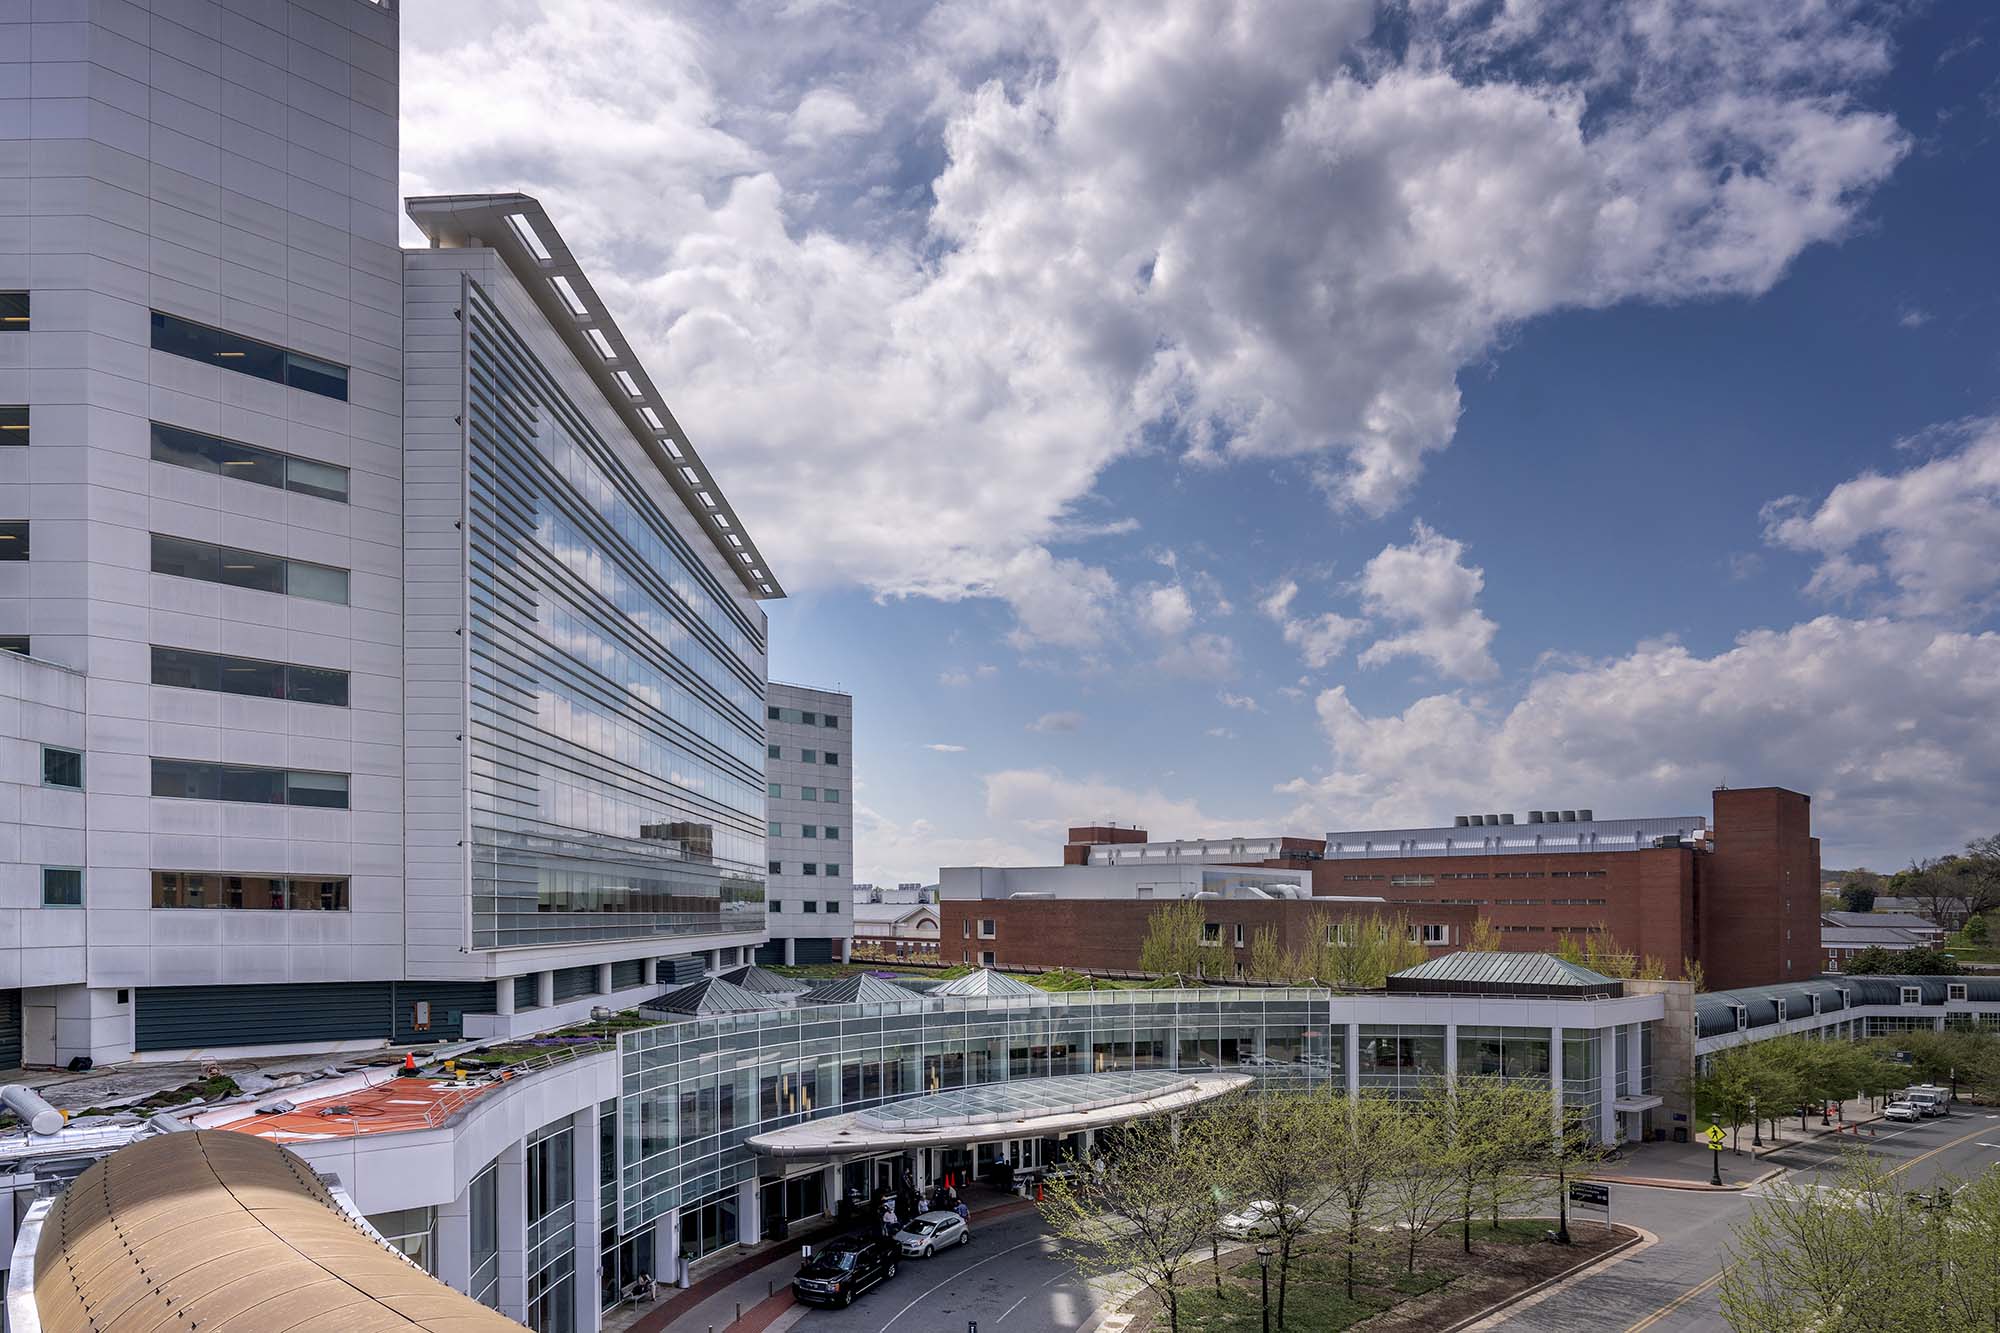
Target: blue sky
[[1613, 389]]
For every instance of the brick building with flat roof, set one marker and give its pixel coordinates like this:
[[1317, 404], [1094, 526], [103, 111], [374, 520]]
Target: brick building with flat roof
[[1736, 891]]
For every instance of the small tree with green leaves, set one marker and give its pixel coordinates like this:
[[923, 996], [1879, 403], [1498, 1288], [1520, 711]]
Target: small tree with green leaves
[[1173, 939], [1493, 1127], [1370, 1136], [1138, 1215], [1290, 1137], [1267, 960]]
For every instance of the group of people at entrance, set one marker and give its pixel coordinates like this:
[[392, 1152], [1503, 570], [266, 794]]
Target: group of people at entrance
[[907, 1202]]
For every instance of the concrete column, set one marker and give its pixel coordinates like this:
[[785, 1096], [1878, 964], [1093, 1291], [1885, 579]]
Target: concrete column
[[791, 952], [1451, 1052], [545, 989], [1350, 1036], [749, 1214], [667, 1244], [512, 1178], [1607, 1087], [454, 1242], [652, 972], [503, 997], [604, 978], [847, 949], [583, 1163], [829, 1188], [1556, 1075]]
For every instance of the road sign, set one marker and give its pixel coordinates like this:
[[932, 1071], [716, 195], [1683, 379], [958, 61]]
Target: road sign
[[1598, 1196], [1715, 1137]]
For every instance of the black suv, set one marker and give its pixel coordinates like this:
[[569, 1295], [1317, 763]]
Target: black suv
[[842, 1269]]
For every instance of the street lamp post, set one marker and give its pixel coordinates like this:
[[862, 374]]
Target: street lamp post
[[1715, 1166], [1264, 1269], [1756, 1126]]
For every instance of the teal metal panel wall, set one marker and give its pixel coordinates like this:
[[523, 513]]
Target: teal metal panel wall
[[575, 982], [631, 972], [10, 1029], [524, 991], [169, 1018]]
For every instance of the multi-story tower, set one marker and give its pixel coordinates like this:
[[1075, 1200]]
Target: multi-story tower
[[328, 733], [809, 768]]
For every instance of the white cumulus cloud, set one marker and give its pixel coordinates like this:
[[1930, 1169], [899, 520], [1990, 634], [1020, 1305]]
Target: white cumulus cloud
[[1427, 588]]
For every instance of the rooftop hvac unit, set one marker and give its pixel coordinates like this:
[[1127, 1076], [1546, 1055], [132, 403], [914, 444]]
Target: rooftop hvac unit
[[1585, 815], [1461, 821], [1569, 816], [1506, 819], [1493, 821], [1534, 816]]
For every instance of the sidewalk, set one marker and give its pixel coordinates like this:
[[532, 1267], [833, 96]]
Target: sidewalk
[[759, 1283], [1686, 1166]]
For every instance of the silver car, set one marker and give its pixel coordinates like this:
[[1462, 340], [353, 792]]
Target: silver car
[[927, 1233]]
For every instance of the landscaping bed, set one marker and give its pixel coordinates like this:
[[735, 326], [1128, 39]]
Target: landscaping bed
[[1447, 1286]]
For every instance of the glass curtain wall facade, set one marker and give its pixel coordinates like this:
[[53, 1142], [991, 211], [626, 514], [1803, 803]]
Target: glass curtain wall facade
[[551, 1229], [692, 1092], [617, 683]]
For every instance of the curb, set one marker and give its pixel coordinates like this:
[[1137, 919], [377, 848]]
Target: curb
[[1697, 1187], [1637, 1238]]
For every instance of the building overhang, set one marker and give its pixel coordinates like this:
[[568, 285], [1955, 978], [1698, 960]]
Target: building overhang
[[1024, 1109], [520, 230], [1642, 1103]]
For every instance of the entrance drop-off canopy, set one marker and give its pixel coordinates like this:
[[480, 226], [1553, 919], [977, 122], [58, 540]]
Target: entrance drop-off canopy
[[1020, 1109]]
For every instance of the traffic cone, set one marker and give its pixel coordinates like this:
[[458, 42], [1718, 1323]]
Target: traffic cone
[[409, 1064]]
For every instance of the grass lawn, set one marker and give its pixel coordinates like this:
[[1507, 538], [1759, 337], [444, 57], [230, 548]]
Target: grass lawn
[[1509, 1258]]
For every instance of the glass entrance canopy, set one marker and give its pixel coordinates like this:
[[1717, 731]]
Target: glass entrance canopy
[[1018, 1109]]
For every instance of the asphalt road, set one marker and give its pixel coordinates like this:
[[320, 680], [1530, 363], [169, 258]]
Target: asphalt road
[[1009, 1280], [1670, 1287]]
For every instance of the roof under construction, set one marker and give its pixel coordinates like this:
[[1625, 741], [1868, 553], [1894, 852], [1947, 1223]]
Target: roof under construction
[[214, 1230]]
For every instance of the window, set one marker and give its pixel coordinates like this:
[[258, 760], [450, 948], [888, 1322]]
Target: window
[[1742, 1017], [829, 794], [987, 928], [832, 757], [183, 668], [809, 793], [249, 893], [246, 462], [14, 643], [1211, 933], [833, 867], [1913, 995], [777, 907], [62, 768], [62, 886], [832, 831], [808, 830], [1954, 990], [809, 719], [13, 425], [809, 907], [833, 907], [1412, 881], [248, 569], [1434, 934], [771, 714], [775, 790], [14, 312], [248, 356], [809, 868], [776, 867], [773, 829], [829, 720], [14, 540], [1239, 934], [774, 752], [194, 780], [809, 756]]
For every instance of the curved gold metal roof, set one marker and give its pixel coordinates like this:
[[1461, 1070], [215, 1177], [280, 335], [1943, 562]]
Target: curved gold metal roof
[[217, 1231]]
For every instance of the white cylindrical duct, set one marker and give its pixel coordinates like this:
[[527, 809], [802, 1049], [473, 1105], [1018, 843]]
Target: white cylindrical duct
[[36, 1114]]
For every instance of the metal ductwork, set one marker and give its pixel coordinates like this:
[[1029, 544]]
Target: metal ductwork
[[36, 1114]]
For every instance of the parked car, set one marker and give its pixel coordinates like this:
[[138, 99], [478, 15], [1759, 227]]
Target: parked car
[[927, 1233], [1901, 1111], [1253, 1219], [842, 1269]]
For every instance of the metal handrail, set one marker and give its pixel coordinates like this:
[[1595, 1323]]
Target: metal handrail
[[455, 1100]]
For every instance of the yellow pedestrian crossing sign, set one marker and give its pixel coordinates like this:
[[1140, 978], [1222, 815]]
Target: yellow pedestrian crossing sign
[[1715, 1136]]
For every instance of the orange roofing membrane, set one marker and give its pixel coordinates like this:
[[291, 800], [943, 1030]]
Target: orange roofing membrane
[[391, 1107], [225, 1232]]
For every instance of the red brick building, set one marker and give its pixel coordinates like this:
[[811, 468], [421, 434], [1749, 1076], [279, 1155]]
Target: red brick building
[[1737, 891]]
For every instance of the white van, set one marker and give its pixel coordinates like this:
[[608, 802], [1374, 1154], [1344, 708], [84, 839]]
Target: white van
[[1929, 1099]]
